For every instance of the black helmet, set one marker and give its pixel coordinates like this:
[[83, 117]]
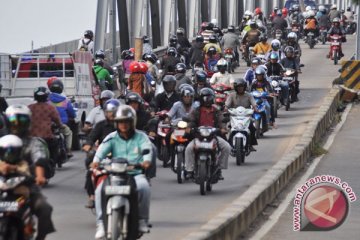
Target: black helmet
[[127, 54], [200, 76], [150, 57], [199, 38], [211, 50], [186, 90], [180, 68], [263, 38], [99, 62], [240, 82], [213, 39], [173, 40], [207, 97], [124, 113], [289, 50], [209, 26], [169, 82], [146, 39], [89, 34], [10, 149], [133, 97], [231, 28], [253, 24], [171, 51], [180, 31], [100, 54], [41, 94], [56, 86], [19, 119]]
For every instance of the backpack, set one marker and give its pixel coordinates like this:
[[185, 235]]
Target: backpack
[[311, 24], [84, 46]]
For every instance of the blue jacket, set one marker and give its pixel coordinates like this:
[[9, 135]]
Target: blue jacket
[[249, 76], [63, 106]]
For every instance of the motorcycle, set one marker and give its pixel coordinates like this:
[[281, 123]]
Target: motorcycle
[[275, 83], [179, 141], [61, 149], [323, 33], [295, 27], [221, 94], [240, 120], [163, 130], [121, 219], [290, 77], [16, 220], [335, 45], [310, 39], [260, 120], [207, 171], [230, 59]]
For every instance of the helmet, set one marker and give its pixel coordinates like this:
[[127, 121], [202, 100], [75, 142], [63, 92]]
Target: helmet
[[289, 50], [186, 90], [173, 40], [127, 54], [143, 67], [255, 60], [279, 13], [231, 28], [253, 24], [19, 119], [200, 76], [342, 11], [134, 67], [207, 97], [284, 11], [133, 97], [100, 54], [150, 57], [199, 38], [146, 39], [41, 94], [180, 68], [89, 34], [308, 8], [213, 39], [311, 13], [111, 105], [221, 63], [292, 35], [296, 7], [214, 21], [180, 31], [10, 149], [50, 80], [240, 82], [209, 26], [275, 44], [260, 71], [334, 6], [126, 113], [336, 20], [169, 82], [274, 56], [99, 62], [106, 94], [56, 86], [263, 38], [276, 9], [248, 13], [211, 50], [321, 8], [348, 9], [258, 11], [171, 51]]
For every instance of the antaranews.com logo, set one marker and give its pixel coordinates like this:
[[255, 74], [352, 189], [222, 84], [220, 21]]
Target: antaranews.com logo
[[322, 204]]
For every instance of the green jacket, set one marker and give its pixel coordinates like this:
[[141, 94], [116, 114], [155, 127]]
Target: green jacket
[[102, 75]]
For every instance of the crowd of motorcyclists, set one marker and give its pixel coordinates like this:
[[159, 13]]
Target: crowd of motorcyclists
[[140, 110]]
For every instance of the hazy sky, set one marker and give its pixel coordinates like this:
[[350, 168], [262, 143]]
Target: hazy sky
[[44, 22]]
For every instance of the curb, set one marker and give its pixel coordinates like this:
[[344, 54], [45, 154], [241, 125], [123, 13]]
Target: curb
[[237, 217]]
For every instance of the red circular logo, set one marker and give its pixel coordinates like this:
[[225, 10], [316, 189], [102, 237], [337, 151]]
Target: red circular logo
[[326, 207]]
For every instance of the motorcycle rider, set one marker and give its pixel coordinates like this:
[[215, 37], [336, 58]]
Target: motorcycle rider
[[95, 138], [200, 83], [244, 99], [12, 161], [184, 44], [212, 43], [279, 23], [169, 61], [336, 29], [87, 43], [249, 75], [100, 54], [260, 16], [291, 62], [128, 58], [274, 66], [166, 99], [263, 46], [183, 107], [275, 48], [208, 32], [334, 13], [231, 40], [147, 48], [102, 75], [207, 115], [65, 110], [126, 142], [196, 52], [292, 42], [219, 34], [311, 24], [180, 76], [251, 38], [222, 77]]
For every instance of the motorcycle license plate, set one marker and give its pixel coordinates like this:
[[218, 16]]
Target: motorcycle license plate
[[219, 95], [9, 206], [205, 145], [117, 190], [178, 132], [335, 43], [228, 56]]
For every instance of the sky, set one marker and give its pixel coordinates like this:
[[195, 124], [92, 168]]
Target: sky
[[43, 21]]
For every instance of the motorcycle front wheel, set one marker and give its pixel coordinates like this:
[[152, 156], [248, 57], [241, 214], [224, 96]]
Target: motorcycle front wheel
[[202, 177], [258, 129], [239, 151], [179, 167], [117, 218], [335, 56]]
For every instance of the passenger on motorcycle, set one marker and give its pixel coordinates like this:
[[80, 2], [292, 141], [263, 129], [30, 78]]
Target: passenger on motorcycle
[[263, 46], [126, 142], [244, 99], [211, 59], [180, 76], [65, 110], [100, 54], [250, 73], [102, 75], [274, 66], [251, 38], [196, 52], [166, 99], [291, 62], [231, 40], [96, 136], [207, 115], [219, 34], [279, 23], [260, 16], [334, 13], [128, 57], [338, 30], [152, 68], [292, 42], [311, 24], [183, 107], [213, 42], [184, 44], [200, 83], [169, 61], [147, 48], [222, 77], [12, 162]]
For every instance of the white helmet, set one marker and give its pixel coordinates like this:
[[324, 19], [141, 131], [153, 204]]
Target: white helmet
[[292, 35], [305, 14], [214, 21], [311, 13], [275, 41], [334, 6], [321, 8], [308, 8], [248, 13]]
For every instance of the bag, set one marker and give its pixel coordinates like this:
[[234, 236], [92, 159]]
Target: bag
[[311, 24], [84, 46]]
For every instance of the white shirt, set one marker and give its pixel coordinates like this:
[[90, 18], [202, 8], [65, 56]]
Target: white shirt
[[96, 115], [219, 78], [88, 42]]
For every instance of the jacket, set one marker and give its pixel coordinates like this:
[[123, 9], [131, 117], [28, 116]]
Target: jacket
[[230, 40], [63, 106], [181, 78], [279, 23], [196, 53], [99, 132], [163, 102]]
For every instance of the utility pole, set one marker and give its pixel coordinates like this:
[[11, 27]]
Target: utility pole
[[358, 34]]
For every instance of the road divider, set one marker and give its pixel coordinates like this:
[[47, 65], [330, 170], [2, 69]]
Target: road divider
[[237, 217]]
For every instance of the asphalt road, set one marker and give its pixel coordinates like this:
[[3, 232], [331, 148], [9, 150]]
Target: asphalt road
[[178, 209]]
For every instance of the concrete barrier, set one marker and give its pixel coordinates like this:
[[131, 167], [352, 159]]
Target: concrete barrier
[[237, 217]]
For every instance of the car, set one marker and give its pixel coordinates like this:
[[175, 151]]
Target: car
[[290, 3]]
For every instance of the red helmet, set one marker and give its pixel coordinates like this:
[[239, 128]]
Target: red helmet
[[135, 67], [132, 50], [51, 80], [143, 67], [258, 10], [284, 11]]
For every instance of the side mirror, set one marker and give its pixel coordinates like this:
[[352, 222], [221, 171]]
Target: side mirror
[[145, 152], [302, 65]]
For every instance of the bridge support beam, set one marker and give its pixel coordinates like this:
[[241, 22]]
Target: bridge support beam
[[224, 15], [182, 14], [166, 18], [100, 26], [155, 23]]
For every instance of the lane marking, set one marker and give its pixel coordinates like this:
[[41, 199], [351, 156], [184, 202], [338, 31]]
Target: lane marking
[[274, 218]]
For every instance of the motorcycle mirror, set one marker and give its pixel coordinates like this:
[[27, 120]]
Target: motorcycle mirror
[[145, 152], [302, 65]]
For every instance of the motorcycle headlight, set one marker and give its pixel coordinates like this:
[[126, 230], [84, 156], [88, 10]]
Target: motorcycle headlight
[[274, 83], [118, 167], [182, 124]]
